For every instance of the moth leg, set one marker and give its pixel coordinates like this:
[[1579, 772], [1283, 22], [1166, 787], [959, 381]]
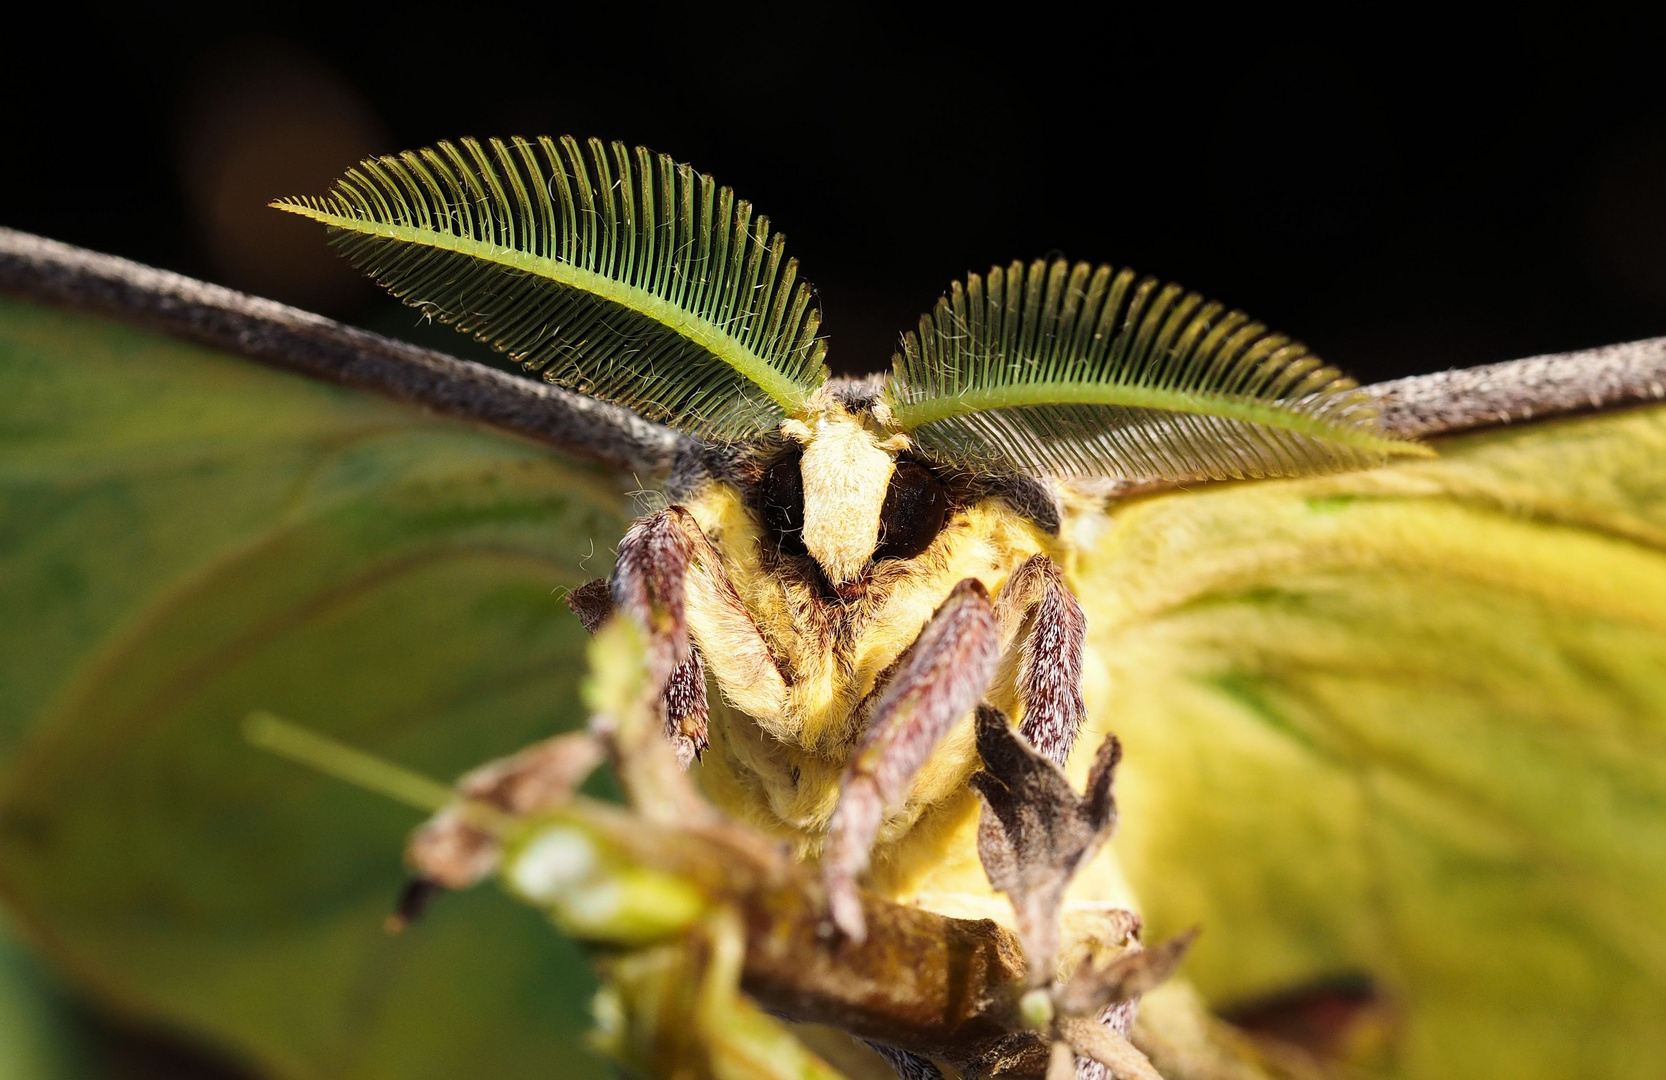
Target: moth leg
[[592, 602], [1042, 619], [686, 708], [665, 561], [649, 584], [940, 679], [908, 1066]]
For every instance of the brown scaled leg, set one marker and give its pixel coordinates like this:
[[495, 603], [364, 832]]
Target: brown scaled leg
[[662, 560], [940, 679], [906, 1065], [686, 709], [1045, 624], [649, 583]]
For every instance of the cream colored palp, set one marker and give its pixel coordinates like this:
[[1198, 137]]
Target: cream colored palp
[[847, 468]]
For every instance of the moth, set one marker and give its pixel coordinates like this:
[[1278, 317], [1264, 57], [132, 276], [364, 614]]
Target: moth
[[1098, 503], [853, 564]]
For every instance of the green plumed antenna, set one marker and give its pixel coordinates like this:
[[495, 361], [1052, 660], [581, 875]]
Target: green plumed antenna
[[609, 271], [1081, 371]]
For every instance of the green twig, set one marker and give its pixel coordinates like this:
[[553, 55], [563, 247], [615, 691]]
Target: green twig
[[343, 762]]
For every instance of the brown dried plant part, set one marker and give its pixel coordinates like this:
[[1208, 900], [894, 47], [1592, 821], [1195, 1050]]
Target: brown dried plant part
[[454, 849], [1042, 619], [1185, 1041], [1103, 981], [1097, 1006], [1035, 830], [939, 680], [1034, 834], [1105, 1049]]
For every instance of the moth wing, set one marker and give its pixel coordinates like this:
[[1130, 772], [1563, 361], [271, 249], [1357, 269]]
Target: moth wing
[[189, 536], [1410, 723]]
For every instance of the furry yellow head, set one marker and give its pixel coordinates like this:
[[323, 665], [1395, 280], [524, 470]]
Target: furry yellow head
[[821, 551]]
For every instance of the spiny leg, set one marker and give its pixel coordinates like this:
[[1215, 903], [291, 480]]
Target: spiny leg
[[662, 559], [650, 584], [906, 1065], [939, 680], [686, 708], [1044, 622], [592, 602], [652, 573]]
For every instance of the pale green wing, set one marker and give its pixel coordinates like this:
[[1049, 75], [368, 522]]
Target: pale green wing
[[1083, 371], [612, 272], [186, 536], [1410, 723]]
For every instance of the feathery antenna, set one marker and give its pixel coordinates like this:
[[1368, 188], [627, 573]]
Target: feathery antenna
[[1081, 371], [609, 271]]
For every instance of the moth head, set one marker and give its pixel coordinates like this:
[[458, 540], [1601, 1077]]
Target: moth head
[[632, 278], [840, 495]]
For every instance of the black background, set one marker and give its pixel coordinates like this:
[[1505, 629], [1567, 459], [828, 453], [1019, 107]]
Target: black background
[[1405, 192]]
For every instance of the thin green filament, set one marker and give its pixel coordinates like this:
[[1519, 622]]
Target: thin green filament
[[280, 737]]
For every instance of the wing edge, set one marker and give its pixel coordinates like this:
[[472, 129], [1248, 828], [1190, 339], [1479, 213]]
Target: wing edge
[[285, 337]]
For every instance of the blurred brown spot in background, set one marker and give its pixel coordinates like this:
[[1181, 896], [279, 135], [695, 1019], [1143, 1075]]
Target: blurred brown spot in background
[[261, 119], [1625, 221], [1328, 1029]]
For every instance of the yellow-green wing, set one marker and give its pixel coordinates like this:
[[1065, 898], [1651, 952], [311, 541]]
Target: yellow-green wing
[[1411, 723], [186, 536]]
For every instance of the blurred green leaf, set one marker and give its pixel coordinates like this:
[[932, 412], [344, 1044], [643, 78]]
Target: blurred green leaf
[[185, 537], [38, 1038]]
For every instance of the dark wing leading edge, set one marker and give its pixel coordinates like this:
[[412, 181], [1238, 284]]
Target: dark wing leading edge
[[299, 341]]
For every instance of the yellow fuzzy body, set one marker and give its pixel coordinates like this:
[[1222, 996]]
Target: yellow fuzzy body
[[779, 747]]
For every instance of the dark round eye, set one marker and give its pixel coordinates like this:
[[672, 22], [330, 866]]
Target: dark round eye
[[913, 512], [779, 498]]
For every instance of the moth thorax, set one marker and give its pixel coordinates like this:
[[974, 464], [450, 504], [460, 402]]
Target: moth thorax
[[846, 470]]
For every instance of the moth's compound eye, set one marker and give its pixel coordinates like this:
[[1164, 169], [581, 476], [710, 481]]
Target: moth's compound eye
[[780, 501], [912, 516]]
